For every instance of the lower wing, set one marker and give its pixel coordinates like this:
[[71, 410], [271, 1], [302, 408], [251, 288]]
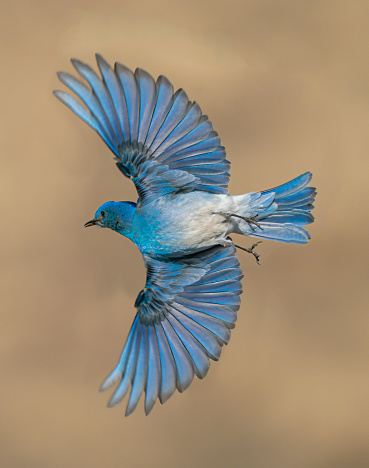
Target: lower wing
[[185, 314]]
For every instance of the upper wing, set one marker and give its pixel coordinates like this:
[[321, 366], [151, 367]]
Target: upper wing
[[184, 317], [161, 140]]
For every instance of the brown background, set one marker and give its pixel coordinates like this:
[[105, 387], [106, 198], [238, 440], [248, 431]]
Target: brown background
[[285, 83]]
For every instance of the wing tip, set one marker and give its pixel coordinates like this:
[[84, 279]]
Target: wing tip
[[57, 93], [77, 62]]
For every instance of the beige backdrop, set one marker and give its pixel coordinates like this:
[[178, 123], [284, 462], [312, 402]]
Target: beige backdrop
[[285, 84]]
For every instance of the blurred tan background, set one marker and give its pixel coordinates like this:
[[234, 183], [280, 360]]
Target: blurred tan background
[[286, 85]]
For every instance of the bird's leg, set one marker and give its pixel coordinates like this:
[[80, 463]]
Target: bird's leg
[[225, 242], [251, 221], [251, 250]]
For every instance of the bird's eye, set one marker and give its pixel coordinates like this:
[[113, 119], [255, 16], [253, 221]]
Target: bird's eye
[[102, 214]]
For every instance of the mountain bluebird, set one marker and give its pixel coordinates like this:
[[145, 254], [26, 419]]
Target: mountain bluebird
[[181, 223]]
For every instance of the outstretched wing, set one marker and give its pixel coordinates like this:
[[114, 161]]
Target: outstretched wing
[[160, 139], [184, 316]]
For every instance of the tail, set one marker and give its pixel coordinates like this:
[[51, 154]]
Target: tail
[[280, 212]]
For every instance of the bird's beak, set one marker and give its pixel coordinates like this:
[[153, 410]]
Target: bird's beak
[[93, 222]]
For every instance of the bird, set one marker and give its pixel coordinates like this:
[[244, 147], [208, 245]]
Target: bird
[[182, 224]]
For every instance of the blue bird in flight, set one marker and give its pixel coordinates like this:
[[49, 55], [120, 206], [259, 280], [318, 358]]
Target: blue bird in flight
[[181, 223]]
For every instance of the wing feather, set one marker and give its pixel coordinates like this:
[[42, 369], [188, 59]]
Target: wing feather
[[102, 94], [129, 371], [140, 378], [206, 143], [151, 130], [153, 372], [118, 99], [131, 93], [185, 315], [93, 104], [147, 101], [168, 367], [188, 123], [179, 108], [193, 347], [164, 91]]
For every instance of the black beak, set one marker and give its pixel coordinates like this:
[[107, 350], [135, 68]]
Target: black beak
[[93, 222]]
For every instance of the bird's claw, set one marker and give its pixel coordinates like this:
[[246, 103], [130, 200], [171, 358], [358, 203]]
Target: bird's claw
[[252, 221], [251, 250]]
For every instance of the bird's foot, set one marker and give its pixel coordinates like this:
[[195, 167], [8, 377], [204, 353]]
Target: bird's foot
[[252, 222], [251, 250]]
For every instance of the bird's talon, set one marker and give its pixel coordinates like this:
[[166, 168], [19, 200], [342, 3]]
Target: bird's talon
[[251, 251], [251, 222]]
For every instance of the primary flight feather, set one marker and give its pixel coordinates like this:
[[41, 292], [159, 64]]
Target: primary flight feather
[[181, 223]]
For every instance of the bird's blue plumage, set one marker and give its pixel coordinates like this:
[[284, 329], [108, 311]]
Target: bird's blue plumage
[[181, 224], [190, 305]]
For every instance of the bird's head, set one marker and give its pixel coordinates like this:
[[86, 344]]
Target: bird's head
[[113, 215]]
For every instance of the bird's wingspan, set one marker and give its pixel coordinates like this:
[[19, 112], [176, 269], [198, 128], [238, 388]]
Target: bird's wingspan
[[143, 121], [184, 317]]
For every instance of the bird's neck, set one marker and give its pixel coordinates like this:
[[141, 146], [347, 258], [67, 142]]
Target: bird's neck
[[125, 218]]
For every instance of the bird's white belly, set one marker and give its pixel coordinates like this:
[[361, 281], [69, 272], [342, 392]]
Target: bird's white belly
[[195, 224], [202, 228]]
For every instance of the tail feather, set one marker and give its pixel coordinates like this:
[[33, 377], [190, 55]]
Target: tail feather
[[290, 188], [282, 232], [304, 197], [289, 209], [298, 217], [294, 202]]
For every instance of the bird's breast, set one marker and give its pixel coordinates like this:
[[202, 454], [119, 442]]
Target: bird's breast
[[180, 225]]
